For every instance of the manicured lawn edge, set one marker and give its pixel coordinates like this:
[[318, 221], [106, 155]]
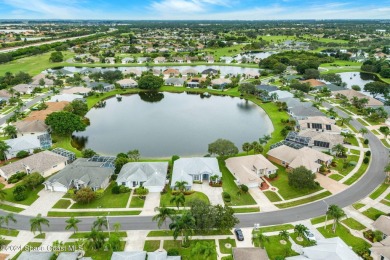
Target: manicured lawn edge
[[64, 214], [304, 201]]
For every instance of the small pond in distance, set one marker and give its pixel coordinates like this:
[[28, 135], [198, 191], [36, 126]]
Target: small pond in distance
[[164, 124]]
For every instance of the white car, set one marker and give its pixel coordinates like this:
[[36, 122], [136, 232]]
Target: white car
[[310, 236]]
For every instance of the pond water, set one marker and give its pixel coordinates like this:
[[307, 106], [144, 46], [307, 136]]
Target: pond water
[[165, 124], [225, 70], [358, 78]]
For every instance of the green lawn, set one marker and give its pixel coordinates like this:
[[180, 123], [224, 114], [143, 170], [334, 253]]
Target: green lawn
[[382, 188], [165, 199], [230, 187], [246, 210], [169, 233], [102, 254], [275, 249], [355, 152], [226, 51], [10, 232], [32, 195], [84, 234], [136, 202], [357, 175], [108, 200], [358, 205], [353, 141], [304, 201], [373, 213], [151, 245], [387, 196], [336, 177], [353, 224], [341, 161], [186, 253], [355, 242], [276, 228], [62, 204], [320, 219], [285, 190], [10, 208], [40, 236], [385, 143], [385, 202], [65, 143], [272, 196], [67, 214], [305, 242], [223, 248], [362, 122]]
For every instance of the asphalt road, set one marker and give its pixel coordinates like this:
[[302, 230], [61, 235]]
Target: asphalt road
[[374, 177]]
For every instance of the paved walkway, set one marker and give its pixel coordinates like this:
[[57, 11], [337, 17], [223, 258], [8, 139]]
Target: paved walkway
[[330, 184], [213, 193], [130, 197], [45, 202], [135, 240], [262, 200], [152, 201], [19, 242], [352, 213]]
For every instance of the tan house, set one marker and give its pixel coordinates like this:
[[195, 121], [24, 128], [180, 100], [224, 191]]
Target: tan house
[[42, 114], [313, 82], [249, 169], [34, 127], [323, 140], [46, 163], [350, 93], [127, 83], [381, 250], [171, 72], [293, 158]]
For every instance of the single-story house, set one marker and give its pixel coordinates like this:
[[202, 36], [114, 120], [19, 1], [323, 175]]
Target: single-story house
[[171, 72], [226, 59], [24, 88], [46, 163], [80, 174], [77, 90], [249, 253], [313, 82], [134, 71], [159, 60], [267, 88], [177, 82], [151, 175], [100, 86], [329, 248], [127, 60], [282, 94], [129, 255], [127, 83], [323, 140], [249, 169], [331, 87], [293, 158], [350, 93], [5, 95], [161, 255], [66, 97], [34, 127], [318, 123], [141, 60], [300, 110], [383, 224], [31, 255], [190, 72], [221, 82], [27, 143], [37, 81], [381, 250], [42, 114], [109, 60], [194, 169]]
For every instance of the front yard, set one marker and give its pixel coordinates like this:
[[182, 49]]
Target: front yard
[[166, 199]]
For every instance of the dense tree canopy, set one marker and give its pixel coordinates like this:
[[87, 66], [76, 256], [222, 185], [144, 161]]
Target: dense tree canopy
[[64, 123], [223, 147], [56, 56], [77, 107], [377, 88], [302, 178], [150, 82]]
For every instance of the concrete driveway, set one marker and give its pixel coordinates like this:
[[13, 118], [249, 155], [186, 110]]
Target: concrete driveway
[[152, 201], [213, 193], [330, 184], [44, 203]]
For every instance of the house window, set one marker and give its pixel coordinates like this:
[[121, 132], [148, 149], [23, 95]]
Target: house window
[[328, 127], [123, 183], [134, 183], [55, 166], [196, 178], [308, 125], [283, 163], [316, 126], [321, 144]]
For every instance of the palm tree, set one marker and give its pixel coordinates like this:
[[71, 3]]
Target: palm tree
[[345, 120], [10, 131], [284, 235], [4, 147], [178, 199], [72, 223], [264, 139], [337, 213], [339, 150], [300, 230], [181, 185], [95, 239], [183, 225], [257, 147], [162, 215], [363, 131], [37, 222], [205, 249], [246, 147], [100, 222], [259, 238]]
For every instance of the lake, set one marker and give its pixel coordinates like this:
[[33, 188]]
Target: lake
[[165, 124]]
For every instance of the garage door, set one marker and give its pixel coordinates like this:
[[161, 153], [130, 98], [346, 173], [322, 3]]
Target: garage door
[[60, 188], [154, 188]]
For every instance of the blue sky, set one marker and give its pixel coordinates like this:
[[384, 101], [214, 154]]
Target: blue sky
[[194, 9]]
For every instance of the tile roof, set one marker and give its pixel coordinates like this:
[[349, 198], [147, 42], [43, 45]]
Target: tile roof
[[26, 126], [151, 173], [185, 168]]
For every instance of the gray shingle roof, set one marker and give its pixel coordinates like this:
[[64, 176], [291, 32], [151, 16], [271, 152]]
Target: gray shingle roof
[[31, 126], [25, 255], [134, 255], [90, 173], [152, 173], [39, 162], [23, 143], [267, 88]]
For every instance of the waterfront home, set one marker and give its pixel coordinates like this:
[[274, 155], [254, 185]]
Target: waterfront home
[[33, 127], [27, 143], [127, 83]]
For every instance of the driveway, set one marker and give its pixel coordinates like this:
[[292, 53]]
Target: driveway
[[262, 200], [213, 193], [330, 184], [44, 203], [152, 201], [135, 240]]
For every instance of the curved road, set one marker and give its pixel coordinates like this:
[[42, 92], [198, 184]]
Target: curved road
[[373, 177]]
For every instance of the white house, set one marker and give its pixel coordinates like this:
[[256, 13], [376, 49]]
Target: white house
[[33, 127], [151, 175], [194, 169], [27, 143], [127, 83]]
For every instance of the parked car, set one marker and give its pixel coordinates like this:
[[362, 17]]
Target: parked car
[[239, 234], [310, 236]]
